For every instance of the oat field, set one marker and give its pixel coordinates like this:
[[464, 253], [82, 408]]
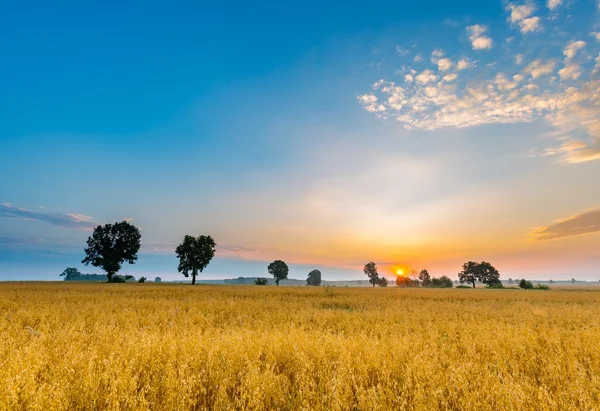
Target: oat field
[[175, 347]]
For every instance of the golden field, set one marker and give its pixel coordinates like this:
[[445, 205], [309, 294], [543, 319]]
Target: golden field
[[172, 347]]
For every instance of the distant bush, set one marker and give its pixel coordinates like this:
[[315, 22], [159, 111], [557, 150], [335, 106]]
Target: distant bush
[[541, 287], [526, 285], [117, 279], [383, 282], [142, 280], [157, 280], [442, 282], [464, 287], [495, 286], [261, 281]]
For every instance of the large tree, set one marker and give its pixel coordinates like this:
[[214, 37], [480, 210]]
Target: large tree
[[194, 255], [70, 273], [279, 270], [370, 271], [483, 272], [314, 278], [111, 245], [425, 278]]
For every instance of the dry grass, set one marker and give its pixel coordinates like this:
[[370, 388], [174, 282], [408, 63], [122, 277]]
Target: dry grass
[[169, 347]]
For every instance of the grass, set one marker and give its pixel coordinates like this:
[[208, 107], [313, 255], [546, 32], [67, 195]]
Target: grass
[[147, 346]]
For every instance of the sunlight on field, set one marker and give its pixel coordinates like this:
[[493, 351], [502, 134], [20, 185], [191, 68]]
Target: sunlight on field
[[146, 346]]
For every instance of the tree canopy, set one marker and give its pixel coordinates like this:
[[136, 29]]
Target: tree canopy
[[194, 255], [483, 272], [279, 270], [314, 278], [111, 245], [370, 271], [425, 278]]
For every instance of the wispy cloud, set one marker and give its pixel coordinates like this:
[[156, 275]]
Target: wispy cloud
[[74, 221], [521, 15], [560, 88], [20, 241], [579, 224]]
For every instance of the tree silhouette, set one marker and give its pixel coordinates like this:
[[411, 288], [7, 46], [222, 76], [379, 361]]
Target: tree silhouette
[[279, 270], [70, 273], [474, 271], [194, 255], [370, 271], [111, 245], [314, 278], [425, 278]]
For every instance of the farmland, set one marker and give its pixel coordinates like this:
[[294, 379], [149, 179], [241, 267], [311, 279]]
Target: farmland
[[167, 346]]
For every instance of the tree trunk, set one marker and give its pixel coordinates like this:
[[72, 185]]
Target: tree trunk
[[473, 283], [277, 282], [193, 279], [109, 276]]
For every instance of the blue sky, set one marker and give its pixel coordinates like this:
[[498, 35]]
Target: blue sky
[[325, 134]]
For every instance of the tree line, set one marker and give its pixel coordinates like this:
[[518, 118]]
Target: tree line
[[112, 245]]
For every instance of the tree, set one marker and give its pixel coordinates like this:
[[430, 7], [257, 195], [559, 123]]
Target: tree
[[142, 280], [442, 282], [70, 273], [510, 281], [487, 273], [111, 245], [469, 273], [383, 282], [425, 278], [261, 281], [370, 271], [526, 285], [483, 272], [314, 278], [194, 255], [402, 281], [158, 280], [279, 270], [572, 281]]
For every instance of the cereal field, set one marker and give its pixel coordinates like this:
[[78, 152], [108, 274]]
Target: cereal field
[[170, 347]]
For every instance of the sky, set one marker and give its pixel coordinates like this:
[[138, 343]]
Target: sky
[[326, 134]]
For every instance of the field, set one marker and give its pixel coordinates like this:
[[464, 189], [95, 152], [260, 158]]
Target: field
[[171, 347]]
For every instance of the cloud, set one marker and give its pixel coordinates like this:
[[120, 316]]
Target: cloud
[[20, 241], [513, 91], [74, 221], [427, 76], [579, 224], [572, 48], [598, 36], [552, 4], [538, 68], [572, 71], [478, 40], [522, 16]]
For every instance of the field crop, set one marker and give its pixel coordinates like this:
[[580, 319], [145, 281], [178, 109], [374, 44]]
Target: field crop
[[171, 347]]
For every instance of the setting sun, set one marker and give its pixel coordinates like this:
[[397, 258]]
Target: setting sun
[[399, 271]]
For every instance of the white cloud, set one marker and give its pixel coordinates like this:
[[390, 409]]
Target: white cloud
[[598, 36], [479, 41], [522, 16], [552, 4], [572, 71], [445, 64], [437, 53], [572, 48], [401, 51], [418, 58], [464, 64], [450, 77], [538, 68], [427, 76], [409, 78]]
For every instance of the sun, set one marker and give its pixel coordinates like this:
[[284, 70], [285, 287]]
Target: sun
[[399, 271]]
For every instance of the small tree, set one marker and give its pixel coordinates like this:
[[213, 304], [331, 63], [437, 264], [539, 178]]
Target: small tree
[[111, 245], [383, 282], [261, 281], [469, 273], [442, 282], [314, 278], [70, 273], [142, 280], [370, 271], [510, 281], [194, 255], [158, 280], [572, 281], [526, 285], [425, 278], [279, 270]]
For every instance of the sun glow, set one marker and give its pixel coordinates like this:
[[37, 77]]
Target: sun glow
[[399, 271]]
